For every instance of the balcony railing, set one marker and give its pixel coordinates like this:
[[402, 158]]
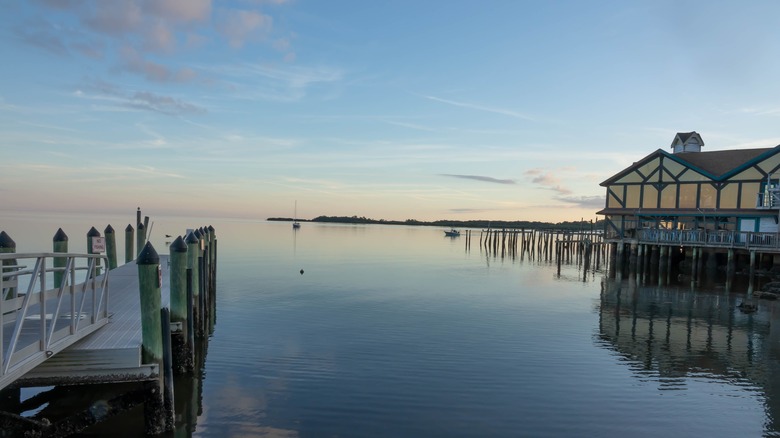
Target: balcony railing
[[714, 238]]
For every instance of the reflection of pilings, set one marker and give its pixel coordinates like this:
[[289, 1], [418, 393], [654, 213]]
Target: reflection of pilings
[[729, 270], [612, 247], [699, 265], [640, 256], [663, 264], [752, 272], [632, 257]]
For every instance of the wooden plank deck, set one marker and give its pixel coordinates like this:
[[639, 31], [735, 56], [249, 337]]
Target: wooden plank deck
[[113, 352]]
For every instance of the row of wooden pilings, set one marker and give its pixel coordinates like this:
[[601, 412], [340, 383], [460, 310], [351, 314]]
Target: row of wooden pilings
[[169, 335], [646, 260], [548, 245]]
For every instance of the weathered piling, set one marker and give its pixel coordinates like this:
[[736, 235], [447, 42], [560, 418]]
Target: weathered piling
[[190, 318], [193, 250], [179, 305], [140, 237], [167, 370], [151, 334], [129, 253], [213, 277], [202, 282], [91, 235], [110, 246], [149, 284], [59, 244]]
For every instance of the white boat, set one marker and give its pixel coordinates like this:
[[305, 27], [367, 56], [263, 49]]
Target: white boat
[[452, 233], [296, 224]]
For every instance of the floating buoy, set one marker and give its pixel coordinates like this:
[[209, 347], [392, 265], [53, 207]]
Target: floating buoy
[[301, 271]]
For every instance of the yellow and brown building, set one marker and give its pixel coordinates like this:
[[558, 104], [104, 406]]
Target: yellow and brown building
[[687, 189]]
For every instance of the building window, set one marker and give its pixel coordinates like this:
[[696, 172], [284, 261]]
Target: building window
[[669, 196], [688, 195]]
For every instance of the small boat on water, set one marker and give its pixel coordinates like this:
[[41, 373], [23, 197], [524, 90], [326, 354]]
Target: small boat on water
[[296, 224], [452, 233]]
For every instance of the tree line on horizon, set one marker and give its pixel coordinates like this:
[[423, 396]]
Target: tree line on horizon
[[581, 225]]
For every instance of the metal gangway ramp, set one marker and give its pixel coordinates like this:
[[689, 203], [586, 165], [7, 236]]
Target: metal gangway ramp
[[48, 301]]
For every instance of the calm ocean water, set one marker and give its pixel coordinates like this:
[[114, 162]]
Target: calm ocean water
[[398, 331]]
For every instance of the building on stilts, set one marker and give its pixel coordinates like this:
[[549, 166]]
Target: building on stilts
[[717, 205]]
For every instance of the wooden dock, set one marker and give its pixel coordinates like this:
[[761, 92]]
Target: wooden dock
[[113, 352], [65, 319]]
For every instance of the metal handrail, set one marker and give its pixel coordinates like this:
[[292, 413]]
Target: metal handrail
[[57, 310], [720, 238]]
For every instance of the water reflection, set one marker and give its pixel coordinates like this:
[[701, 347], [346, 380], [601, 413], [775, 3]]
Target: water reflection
[[678, 337]]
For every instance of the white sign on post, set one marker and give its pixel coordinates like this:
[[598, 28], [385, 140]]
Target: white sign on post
[[98, 245]]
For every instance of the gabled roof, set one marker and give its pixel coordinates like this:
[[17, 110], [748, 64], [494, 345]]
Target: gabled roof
[[684, 136], [717, 165]]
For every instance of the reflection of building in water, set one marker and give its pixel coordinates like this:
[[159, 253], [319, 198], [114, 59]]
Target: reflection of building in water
[[677, 333]]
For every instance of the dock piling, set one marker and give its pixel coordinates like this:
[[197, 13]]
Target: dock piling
[[129, 253], [93, 232], [59, 244], [151, 333], [110, 246]]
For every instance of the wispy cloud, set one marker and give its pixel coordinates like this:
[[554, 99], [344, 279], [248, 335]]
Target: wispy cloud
[[280, 82], [141, 100], [481, 108], [147, 34], [240, 26], [480, 178], [584, 201], [547, 181]]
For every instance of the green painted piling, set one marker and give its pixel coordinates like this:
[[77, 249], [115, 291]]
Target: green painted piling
[[212, 256], [91, 234], [214, 284], [110, 246], [7, 246], [193, 249], [59, 244], [166, 373], [140, 237], [190, 320], [129, 253], [149, 284], [178, 274]]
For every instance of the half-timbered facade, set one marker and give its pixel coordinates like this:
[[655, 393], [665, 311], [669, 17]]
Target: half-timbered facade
[[735, 190]]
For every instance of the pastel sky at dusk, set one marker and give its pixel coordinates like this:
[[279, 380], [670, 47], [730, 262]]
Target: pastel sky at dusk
[[503, 110]]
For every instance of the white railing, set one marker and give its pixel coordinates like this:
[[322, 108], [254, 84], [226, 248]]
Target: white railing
[[45, 308], [730, 239]]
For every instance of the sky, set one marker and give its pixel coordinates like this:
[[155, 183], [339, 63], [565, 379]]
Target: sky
[[427, 110]]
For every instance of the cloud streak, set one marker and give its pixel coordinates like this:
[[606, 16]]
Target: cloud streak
[[595, 202], [547, 181], [481, 178], [142, 31], [141, 100], [481, 108]]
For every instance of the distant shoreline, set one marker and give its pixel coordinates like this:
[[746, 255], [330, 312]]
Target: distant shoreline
[[575, 225]]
